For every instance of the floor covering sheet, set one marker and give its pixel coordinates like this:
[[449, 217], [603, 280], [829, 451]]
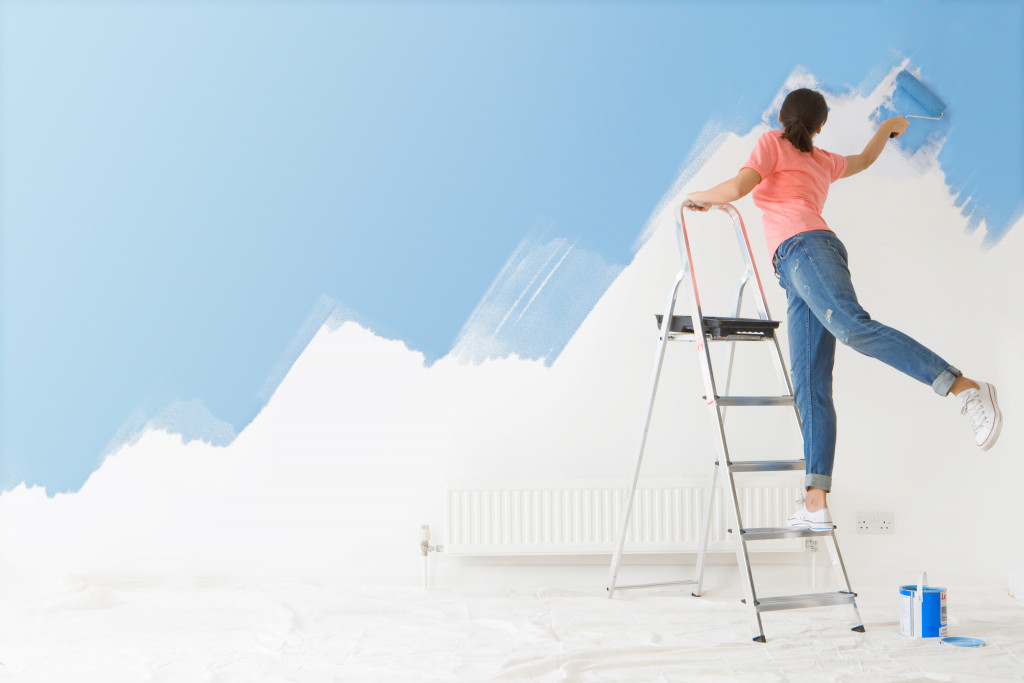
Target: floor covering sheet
[[277, 630]]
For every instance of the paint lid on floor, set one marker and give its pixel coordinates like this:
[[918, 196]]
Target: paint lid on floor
[[963, 642]]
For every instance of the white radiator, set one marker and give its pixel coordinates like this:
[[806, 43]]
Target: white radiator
[[582, 516]]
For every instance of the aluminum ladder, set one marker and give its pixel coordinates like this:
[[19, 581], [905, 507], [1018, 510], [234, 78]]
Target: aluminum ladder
[[704, 330]]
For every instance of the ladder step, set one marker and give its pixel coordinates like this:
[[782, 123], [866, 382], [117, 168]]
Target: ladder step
[[729, 329], [725, 401], [767, 465], [807, 600], [770, 533]]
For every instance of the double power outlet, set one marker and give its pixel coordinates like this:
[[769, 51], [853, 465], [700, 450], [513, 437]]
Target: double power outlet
[[875, 522]]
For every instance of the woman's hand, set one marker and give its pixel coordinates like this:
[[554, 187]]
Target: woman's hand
[[694, 204], [896, 126]]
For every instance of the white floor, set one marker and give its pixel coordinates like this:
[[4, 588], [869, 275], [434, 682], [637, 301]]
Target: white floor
[[289, 630]]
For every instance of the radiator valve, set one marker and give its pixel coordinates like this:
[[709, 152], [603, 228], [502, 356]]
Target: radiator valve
[[425, 546]]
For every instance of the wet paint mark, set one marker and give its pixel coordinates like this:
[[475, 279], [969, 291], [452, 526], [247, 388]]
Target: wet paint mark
[[538, 301]]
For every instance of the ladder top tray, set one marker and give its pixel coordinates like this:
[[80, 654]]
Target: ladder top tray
[[724, 328]]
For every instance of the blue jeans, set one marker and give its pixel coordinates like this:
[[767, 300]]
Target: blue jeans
[[813, 269]]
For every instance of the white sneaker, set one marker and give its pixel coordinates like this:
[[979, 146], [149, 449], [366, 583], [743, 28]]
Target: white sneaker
[[981, 409], [815, 521]]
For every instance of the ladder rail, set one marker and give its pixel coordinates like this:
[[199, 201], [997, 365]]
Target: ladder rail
[[748, 255], [705, 530], [711, 398], [730, 361], [627, 510]]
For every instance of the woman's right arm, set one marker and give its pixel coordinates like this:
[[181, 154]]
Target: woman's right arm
[[858, 162], [732, 189]]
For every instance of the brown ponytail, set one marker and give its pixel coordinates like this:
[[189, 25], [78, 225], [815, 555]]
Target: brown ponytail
[[803, 112]]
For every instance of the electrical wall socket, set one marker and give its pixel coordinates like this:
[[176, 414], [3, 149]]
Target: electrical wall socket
[[875, 522]]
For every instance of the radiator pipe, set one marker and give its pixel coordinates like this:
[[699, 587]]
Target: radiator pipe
[[426, 549]]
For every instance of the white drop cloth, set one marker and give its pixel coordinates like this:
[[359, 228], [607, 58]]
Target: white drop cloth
[[252, 630]]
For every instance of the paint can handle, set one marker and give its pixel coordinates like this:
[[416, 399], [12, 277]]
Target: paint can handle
[[918, 627]]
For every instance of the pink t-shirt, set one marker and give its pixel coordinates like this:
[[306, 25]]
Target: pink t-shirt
[[793, 187]]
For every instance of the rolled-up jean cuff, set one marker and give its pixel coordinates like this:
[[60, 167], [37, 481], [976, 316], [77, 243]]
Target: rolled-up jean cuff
[[944, 382], [818, 481]]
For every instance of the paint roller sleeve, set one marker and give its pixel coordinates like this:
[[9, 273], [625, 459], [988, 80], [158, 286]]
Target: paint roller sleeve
[[912, 95], [927, 100]]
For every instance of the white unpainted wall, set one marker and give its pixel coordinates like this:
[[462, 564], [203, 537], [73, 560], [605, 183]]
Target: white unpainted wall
[[350, 455]]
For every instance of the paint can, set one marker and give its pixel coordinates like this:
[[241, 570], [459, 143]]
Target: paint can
[[922, 610]]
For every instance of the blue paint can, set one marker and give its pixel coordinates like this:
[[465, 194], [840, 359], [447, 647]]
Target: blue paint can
[[922, 610]]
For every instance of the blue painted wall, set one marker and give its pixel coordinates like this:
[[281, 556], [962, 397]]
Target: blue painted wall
[[188, 190]]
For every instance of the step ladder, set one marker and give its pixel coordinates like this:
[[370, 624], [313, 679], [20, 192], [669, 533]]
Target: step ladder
[[704, 330]]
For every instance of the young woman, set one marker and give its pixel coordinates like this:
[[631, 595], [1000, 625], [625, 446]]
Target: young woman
[[790, 178]]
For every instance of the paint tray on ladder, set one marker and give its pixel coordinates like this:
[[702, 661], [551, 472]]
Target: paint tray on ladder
[[724, 328], [927, 112]]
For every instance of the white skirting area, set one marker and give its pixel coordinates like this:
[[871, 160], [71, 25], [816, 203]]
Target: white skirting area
[[113, 630]]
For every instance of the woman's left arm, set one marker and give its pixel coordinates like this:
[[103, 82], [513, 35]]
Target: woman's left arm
[[890, 128], [723, 193]]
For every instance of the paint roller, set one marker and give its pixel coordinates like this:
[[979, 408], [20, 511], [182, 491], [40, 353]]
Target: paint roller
[[913, 95]]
